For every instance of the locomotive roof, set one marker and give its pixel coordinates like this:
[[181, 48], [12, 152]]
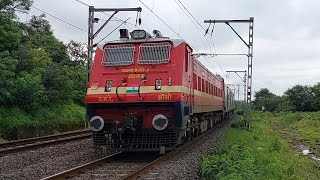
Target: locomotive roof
[[204, 67], [175, 42]]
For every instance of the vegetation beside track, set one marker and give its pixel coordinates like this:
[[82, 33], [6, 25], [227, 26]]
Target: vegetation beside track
[[263, 153], [42, 80], [303, 127], [15, 122]]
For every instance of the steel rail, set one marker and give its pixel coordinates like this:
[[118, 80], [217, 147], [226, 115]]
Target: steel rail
[[19, 145], [137, 174], [80, 169]]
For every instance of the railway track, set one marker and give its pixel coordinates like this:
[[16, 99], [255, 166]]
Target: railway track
[[23, 144], [123, 165]]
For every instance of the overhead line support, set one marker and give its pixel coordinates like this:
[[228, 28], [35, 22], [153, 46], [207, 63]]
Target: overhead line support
[[249, 44], [92, 35]]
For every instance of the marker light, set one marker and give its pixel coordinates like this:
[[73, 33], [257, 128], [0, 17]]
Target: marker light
[[108, 86], [169, 81], [158, 84], [143, 77]]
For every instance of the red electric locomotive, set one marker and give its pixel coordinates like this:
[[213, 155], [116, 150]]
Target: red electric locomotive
[[148, 93]]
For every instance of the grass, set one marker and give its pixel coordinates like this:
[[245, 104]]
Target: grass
[[2, 141], [303, 127], [257, 154], [15, 122]]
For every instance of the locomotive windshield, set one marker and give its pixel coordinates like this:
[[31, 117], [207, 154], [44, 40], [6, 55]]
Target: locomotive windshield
[[118, 55], [154, 53], [149, 53]]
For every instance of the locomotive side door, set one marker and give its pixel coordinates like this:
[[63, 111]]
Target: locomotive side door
[[189, 73]]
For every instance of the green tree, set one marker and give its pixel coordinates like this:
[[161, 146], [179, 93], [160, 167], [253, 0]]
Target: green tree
[[7, 76], [29, 92], [38, 25], [316, 96], [58, 86], [263, 93], [10, 35], [77, 52], [9, 7], [265, 98], [40, 35], [300, 98]]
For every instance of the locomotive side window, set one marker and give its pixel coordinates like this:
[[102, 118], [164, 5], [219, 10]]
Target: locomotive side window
[[154, 53], [118, 55]]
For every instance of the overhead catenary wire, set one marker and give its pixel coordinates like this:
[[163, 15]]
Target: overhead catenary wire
[[66, 22], [211, 44], [195, 23], [173, 30], [85, 4], [70, 24], [191, 15], [165, 23], [170, 28], [113, 31]]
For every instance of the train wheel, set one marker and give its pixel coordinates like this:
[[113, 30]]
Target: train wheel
[[188, 133]]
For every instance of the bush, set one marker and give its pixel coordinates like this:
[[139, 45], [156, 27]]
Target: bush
[[233, 162], [15, 123]]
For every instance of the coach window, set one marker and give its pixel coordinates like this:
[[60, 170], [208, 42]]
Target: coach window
[[194, 81], [211, 89], [199, 83], [186, 60], [215, 91], [206, 91], [202, 85]]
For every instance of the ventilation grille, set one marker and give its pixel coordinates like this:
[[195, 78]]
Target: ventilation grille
[[118, 55], [154, 53]]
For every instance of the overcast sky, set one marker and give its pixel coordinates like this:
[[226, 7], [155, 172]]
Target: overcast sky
[[286, 33]]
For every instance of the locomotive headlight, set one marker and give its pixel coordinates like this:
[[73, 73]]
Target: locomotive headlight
[[158, 84], [96, 123], [138, 34], [160, 122], [108, 86]]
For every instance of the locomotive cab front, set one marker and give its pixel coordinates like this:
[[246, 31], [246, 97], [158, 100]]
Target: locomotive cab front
[[137, 95]]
